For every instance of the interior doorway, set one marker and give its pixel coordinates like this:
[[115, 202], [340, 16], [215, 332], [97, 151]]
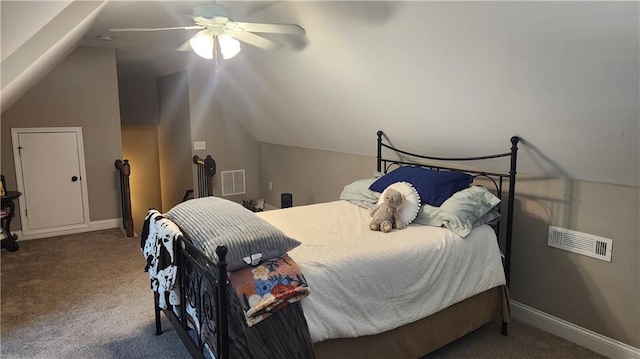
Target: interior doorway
[[140, 147]]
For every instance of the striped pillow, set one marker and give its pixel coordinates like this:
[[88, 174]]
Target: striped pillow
[[212, 221]]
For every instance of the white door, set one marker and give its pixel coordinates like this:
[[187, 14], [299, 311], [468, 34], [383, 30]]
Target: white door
[[50, 173]]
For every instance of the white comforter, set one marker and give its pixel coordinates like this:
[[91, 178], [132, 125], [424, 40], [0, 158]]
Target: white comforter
[[364, 282]]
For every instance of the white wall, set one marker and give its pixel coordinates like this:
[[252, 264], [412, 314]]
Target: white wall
[[48, 44], [23, 19], [452, 78]]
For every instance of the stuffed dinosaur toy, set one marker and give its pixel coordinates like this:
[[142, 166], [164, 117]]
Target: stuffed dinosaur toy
[[385, 214]]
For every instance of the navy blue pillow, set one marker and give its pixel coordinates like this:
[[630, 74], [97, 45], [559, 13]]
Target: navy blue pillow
[[433, 186]]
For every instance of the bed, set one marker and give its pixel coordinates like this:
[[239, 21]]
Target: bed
[[400, 294]]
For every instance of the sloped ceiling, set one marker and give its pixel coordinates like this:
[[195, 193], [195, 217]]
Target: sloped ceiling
[[450, 78], [36, 36], [23, 19]]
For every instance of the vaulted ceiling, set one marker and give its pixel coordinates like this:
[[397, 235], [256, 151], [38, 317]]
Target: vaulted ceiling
[[155, 48], [454, 78]]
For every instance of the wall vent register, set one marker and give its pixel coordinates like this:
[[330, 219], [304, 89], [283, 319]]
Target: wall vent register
[[581, 243], [233, 182]]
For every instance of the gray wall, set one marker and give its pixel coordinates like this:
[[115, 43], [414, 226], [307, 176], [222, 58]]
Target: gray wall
[[228, 142], [593, 294], [312, 176], [174, 138], [182, 107], [138, 91], [82, 91]]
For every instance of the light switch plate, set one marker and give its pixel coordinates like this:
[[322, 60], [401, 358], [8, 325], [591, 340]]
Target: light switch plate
[[199, 145]]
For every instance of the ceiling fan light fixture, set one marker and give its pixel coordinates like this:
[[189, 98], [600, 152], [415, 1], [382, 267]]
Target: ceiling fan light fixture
[[229, 46], [215, 25], [202, 44]]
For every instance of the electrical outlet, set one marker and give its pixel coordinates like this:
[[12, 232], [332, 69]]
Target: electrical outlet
[[199, 145], [270, 186]]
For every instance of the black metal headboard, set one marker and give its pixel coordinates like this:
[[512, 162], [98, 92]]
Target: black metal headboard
[[497, 178]]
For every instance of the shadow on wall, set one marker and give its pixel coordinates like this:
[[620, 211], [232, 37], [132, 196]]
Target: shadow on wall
[[555, 281], [560, 283], [552, 192]]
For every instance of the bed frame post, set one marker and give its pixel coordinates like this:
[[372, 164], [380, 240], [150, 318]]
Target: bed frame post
[[206, 169], [156, 306], [510, 204], [124, 172], [223, 300], [379, 163]]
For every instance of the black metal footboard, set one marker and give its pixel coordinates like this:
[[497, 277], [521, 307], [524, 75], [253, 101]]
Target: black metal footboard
[[201, 319]]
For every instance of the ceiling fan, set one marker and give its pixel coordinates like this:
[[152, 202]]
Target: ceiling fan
[[218, 32]]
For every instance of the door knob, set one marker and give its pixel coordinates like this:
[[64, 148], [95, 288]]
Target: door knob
[[74, 178]]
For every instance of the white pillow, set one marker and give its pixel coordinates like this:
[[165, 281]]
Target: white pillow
[[411, 206]]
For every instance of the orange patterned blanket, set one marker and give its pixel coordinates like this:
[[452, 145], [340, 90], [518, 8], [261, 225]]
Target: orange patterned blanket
[[267, 287]]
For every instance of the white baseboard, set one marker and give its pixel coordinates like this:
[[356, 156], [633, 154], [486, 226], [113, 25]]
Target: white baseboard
[[93, 226], [573, 333]]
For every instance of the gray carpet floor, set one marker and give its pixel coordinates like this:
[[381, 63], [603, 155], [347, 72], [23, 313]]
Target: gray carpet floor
[[87, 296]]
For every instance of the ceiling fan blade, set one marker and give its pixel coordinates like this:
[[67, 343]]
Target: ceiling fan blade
[[292, 29], [256, 40], [194, 27]]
